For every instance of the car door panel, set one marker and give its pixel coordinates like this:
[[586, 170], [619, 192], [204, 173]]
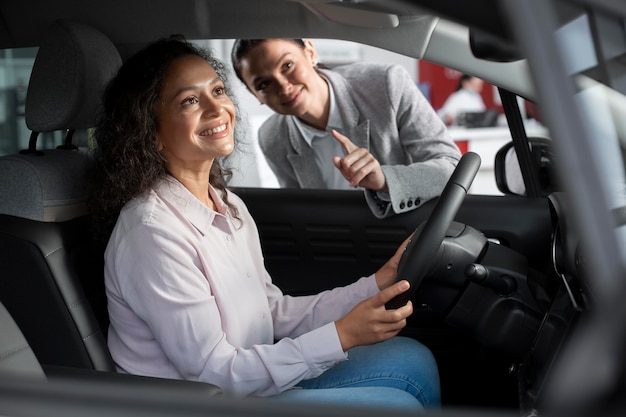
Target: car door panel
[[315, 240], [319, 239]]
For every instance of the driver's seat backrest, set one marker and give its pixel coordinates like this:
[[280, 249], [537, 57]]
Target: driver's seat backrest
[[52, 278], [16, 356]]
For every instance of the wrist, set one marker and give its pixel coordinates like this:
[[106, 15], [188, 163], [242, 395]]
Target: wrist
[[344, 338], [385, 276]]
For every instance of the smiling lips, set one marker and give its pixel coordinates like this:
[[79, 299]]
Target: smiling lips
[[214, 131], [292, 99]]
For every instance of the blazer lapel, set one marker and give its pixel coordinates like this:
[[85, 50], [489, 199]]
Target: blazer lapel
[[356, 129], [360, 134]]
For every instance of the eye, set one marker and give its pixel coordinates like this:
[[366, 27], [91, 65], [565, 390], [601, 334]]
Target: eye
[[262, 85], [190, 100], [219, 91], [287, 65]]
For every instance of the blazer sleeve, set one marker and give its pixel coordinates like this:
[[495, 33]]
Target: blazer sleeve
[[431, 153]]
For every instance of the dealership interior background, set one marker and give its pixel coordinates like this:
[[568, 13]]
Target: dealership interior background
[[251, 170]]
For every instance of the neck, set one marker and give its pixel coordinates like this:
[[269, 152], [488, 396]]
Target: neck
[[197, 182], [318, 112], [201, 192]]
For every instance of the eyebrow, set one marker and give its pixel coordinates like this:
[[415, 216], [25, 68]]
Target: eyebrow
[[195, 86]]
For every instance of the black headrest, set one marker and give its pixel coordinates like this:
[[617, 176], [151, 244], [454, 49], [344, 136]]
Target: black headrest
[[49, 187], [73, 65]]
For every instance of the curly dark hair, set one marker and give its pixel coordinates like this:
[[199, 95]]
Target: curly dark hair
[[126, 161]]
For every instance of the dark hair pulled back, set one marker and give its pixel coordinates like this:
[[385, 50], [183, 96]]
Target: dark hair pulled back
[[242, 47]]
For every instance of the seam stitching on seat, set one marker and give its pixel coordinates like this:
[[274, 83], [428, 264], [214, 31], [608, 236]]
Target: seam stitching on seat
[[53, 251], [77, 303], [13, 351], [73, 306], [90, 336]]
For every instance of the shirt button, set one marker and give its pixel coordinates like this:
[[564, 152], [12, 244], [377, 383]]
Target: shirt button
[[228, 238]]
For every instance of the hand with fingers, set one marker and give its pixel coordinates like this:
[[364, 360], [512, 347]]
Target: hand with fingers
[[359, 166], [370, 322], [388, 273]]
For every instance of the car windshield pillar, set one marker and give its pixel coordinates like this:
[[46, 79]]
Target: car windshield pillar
[[571, 114]]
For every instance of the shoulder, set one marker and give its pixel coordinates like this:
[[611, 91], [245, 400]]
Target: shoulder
[[368, 70], [140, 209], [164, 201], [457, 97], [271, 133], [373, 79], [140, 220], [272, 123]]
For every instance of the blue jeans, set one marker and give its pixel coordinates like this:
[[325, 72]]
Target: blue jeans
[[400, 373]]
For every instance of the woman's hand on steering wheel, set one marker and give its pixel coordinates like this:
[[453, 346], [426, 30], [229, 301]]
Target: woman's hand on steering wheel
[[388, 273], [370, 322]]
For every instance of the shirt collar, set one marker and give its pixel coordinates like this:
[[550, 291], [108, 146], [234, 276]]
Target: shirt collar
[[174, 192]]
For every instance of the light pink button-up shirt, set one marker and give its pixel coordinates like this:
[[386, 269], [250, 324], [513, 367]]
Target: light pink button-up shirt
[[189, 298]]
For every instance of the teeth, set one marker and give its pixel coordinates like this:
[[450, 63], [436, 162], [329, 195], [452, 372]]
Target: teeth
[[213, 131]]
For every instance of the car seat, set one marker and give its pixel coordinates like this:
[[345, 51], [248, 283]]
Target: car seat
[[52, 278], [16, 356], [19, 364]]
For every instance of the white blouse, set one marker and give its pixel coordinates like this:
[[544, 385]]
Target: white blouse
[[189, 298]]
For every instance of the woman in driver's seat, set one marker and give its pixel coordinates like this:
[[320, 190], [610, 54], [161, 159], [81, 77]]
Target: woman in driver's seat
[[188, 293]]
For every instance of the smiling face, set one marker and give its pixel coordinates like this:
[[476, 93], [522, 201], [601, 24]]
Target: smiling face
[[281, 74], [196, 117]]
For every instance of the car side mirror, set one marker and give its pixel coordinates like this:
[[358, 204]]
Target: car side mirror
[[508, 173]]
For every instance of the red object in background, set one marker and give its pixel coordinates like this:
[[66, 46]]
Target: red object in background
[[463, 145], [443, 81]]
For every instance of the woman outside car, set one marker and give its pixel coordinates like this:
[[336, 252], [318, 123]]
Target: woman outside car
[[359, 125]]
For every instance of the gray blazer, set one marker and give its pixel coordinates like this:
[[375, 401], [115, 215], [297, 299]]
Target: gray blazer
[[384, 112]]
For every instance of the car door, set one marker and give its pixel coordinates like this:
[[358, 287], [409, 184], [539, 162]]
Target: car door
[[314, 240]]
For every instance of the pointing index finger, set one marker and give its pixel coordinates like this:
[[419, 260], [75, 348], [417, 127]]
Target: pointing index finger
[[344, 140]]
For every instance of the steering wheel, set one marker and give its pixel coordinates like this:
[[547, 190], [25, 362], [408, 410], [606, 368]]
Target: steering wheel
[[423, 246]]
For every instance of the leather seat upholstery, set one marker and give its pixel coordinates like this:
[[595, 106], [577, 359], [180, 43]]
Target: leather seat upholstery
[[16, 356], [18, 362], [52, 280]]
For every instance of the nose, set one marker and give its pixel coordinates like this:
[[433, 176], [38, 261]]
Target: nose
[[212, 107], [284, 85]]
